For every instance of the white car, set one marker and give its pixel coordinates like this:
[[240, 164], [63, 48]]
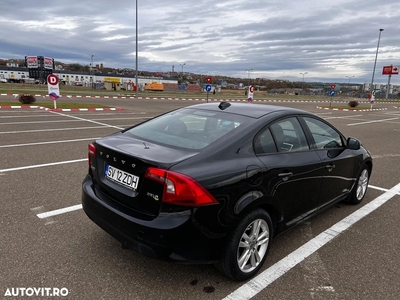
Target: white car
[[3, 80]]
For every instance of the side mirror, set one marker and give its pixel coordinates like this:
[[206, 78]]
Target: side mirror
[[353, 143]]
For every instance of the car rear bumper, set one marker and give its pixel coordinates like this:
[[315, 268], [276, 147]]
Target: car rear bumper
[[172, 237]]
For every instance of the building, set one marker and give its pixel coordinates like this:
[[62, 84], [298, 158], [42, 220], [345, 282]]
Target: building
[[117, 81]]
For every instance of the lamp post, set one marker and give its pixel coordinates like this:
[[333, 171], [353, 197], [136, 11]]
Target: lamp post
[[348, 86], [182, 68], [302, 84], [248, 75], [182, 71], [91, 74], [376, 57], [136, 69], [350, 78]]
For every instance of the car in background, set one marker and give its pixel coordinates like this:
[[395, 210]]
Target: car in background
[[215, 182]]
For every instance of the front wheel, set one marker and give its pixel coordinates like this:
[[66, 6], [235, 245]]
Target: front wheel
[[360, 187], [248, 246]]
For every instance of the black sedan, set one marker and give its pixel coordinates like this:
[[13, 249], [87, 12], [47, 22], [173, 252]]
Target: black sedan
[[215, 182]]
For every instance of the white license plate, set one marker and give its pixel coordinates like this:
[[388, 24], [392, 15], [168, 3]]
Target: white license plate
[[128, 180]]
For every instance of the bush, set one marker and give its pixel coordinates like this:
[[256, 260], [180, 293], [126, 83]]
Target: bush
[[26, 99], [353, 103]]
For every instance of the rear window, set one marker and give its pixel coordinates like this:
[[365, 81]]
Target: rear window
[[188, 128]]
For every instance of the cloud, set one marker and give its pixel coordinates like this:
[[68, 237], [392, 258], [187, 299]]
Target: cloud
[[330, 40]]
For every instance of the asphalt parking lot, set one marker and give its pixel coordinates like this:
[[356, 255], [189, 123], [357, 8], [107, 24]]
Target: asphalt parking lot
[[347, 252]]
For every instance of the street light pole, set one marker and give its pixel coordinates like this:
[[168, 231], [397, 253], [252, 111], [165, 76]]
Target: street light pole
[[91, 63], [302, 84], [348, 86], [136, 70], [91, 73], [376, 57], [182, 71], [350, 77], [248, 75]]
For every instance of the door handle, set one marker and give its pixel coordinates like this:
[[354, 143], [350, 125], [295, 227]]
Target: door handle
[[330, 167], [285, 176]]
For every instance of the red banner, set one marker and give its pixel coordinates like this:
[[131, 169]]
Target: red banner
[[390, 70]]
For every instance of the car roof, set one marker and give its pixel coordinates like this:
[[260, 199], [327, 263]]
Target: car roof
[[247, 109]]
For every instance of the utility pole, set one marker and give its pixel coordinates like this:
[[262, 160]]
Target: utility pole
[[248, 75], [376, 57]]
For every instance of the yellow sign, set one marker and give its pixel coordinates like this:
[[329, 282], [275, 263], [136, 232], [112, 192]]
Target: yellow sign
[[112, 79]]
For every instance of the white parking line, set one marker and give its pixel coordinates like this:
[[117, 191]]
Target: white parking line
[[45, 114], [374, 121], [59, 211], [56, 129], [86, 120], [78, 120], [43, 165], [263, 280], [46, 143], [353, 117]]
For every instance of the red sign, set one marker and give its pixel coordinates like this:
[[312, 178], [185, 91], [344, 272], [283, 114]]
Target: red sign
[[48, 63], [52, 79], [251, 89], [390, 70], [333, 86], [32, 62], [208, 79]]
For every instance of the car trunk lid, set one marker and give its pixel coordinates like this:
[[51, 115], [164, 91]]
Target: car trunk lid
[[119, 169]]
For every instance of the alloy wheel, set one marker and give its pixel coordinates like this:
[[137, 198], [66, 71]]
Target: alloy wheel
[[253, 245], [362, 184]]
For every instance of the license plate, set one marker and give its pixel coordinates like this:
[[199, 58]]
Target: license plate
[[127, 180]]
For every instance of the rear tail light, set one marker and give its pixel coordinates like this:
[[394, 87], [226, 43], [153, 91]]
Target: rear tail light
[[180, 189], [91, 153]]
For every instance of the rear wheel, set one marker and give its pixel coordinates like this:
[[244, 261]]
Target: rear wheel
[[360, 187], [248, 246]]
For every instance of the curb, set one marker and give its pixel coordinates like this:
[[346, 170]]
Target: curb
[[59, 109], [352, 110]]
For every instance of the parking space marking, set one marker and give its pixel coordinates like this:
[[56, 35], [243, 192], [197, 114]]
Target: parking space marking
[[263, 280], [78, 120], [25, 116], [373, 121], [44, 165], [86, 120], [85, 114], [52, 142], [55, 129], [352, 117], [59, 211]]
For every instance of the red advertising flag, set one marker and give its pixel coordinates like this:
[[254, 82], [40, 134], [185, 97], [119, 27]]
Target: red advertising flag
[[387, 70]]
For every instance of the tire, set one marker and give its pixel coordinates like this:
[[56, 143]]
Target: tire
[[360, 186], [246, 250]]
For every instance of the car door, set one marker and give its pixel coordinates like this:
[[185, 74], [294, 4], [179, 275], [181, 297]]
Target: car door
[[292, 173], [338, 161]]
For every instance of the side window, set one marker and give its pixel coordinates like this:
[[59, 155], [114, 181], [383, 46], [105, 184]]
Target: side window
[[282, 136], [289, 135], [325, 136], [265, 143]]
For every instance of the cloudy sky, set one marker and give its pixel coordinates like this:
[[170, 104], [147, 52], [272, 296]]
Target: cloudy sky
[[330, 40]]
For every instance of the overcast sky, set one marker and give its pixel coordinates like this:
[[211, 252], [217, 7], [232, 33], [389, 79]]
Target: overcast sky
[[330, 40]]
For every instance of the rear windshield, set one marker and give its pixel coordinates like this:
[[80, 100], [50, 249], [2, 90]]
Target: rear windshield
[[189, 128]]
